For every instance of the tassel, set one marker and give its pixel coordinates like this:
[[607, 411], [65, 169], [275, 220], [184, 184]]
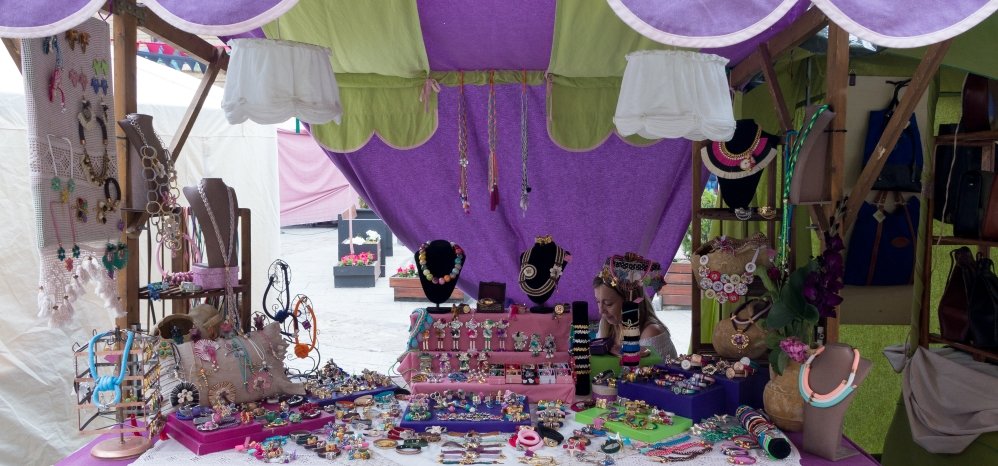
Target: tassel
[[83, 271]]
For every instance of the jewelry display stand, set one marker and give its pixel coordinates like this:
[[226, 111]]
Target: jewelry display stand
[[470, 426], [541, 268], [140, 392], [441, 259], [141, 190], [823, 426], [215, 190]]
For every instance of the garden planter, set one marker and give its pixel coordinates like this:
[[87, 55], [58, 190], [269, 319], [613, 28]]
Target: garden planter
[[678, 289], [409, 289], [373, 248], [363, 220], [355, 276]]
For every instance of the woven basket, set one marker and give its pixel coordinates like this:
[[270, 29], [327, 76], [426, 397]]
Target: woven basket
[[732, 261]]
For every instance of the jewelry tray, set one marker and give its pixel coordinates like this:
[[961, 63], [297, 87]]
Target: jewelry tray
[[203, 443], [466, 426], [679, 425], [738, 391]]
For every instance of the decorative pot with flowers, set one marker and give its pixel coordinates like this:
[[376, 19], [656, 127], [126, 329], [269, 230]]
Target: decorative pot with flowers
[[800, 299]]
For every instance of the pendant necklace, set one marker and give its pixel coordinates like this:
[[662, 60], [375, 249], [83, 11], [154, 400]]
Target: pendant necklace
[[739, 339]]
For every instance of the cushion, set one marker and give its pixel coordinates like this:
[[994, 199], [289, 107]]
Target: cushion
[[226, 376]]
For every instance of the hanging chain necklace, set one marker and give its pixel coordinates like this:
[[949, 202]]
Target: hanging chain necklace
[[462, 144], [528, 271], [161, 201], [493, 166], [225, 247], [85, 121], [524, 188]]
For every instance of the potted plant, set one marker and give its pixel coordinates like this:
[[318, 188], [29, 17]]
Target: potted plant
[[362, 218], [800, 299], [405, 285], [370, 243], [356, 271]]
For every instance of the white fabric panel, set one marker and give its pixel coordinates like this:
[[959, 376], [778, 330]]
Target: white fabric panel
[[38, 422], [675, 94]]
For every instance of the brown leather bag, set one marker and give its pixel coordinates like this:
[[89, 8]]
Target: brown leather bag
[[954, 318], [989, 224]]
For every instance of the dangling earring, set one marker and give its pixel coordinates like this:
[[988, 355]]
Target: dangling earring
[[121, 259], [108, 259]]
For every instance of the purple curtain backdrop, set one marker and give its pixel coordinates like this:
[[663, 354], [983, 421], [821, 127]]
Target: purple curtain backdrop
[[611, 200]]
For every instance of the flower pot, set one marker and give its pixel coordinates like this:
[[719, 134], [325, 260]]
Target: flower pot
[[409, 289], [782, 400]]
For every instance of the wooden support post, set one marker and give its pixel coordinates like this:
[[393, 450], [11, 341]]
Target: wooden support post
[[148, 22], [807, 25], [773, 84], [124, 36], [14, 49], [919, 83], [696, 233], [195, 107]]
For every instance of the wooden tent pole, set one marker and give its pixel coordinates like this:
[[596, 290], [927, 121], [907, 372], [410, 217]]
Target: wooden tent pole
[[836, 93], [216, 64], [14, 49], [806, 26], [124, 49]]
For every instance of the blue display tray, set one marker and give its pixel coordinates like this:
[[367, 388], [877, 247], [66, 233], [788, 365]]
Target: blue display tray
[[738, 391], [467, 426], [704, 404]]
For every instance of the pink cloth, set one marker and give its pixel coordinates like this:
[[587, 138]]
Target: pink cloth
[[312, 188]]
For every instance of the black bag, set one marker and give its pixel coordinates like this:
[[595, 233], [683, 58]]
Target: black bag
[[953, 305], [946, 182], [967, 212], [983, 305]]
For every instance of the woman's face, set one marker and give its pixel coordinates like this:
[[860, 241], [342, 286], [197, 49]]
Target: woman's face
[[609, 303]]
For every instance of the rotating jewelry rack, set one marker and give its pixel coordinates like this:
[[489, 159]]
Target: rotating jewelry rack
[[137, 417]]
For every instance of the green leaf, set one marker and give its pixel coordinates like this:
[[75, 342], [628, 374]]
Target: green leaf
[[783, 361], [774, 361], [773, 340], [779, 316], [810, 314]]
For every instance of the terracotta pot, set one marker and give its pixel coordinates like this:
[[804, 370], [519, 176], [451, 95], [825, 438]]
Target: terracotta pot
[[782, 400]]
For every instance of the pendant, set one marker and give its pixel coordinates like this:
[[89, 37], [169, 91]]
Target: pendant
[[740, 340]]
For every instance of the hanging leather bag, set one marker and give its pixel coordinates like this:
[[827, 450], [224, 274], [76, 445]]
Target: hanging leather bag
[[954, 304], [989, 224], [983, 305], [967, 211], [882, 247]]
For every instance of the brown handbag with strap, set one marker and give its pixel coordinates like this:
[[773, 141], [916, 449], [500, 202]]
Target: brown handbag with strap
[[989, 224], [881, 199]]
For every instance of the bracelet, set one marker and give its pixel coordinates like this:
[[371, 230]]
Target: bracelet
[[552, 437], [610, 446], [403, 450], [386, 443], [741, 460]]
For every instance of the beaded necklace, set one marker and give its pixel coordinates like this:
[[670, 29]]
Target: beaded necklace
[[455, 271], [834, 397], [493, 164]]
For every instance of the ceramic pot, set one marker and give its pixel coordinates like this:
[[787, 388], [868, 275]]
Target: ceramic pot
[[782, 399]]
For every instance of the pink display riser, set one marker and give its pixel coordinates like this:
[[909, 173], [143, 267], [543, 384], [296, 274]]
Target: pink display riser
[[541, 324], [226, 439]]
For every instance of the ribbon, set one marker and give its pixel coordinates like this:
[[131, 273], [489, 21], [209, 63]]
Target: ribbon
[[429, 85]]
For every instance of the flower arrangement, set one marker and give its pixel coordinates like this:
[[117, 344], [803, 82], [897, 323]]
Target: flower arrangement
[[371, 238], [406, 272], [363, 258], [799, 300]]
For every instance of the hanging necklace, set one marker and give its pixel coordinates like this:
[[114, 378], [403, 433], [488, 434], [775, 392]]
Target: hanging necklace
[[225, 247], [85, 121], [528, 271], [64, 190], [524, 188], [458, 264], [462, 144], [834, 397], [107, 383], [739, 339], [493, 165], [57, 185], [161, 197]]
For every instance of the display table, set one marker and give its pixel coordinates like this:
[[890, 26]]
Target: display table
[[172, 452]]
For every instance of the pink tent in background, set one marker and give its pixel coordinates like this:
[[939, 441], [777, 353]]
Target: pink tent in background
[[312, 189]]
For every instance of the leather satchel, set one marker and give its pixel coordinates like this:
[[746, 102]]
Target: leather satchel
[[967, 211], [954, 304], [983, 305], [989, 224]]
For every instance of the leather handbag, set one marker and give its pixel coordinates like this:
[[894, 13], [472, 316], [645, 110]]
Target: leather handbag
[[882, 247], [949, 170], [967, 211], [989, 224], [982, 310], [954, 304]]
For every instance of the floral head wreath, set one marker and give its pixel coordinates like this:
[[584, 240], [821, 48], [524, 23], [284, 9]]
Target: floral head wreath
[[629, 273]]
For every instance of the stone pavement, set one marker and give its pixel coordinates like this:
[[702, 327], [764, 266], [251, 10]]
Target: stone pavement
[[364, 328]]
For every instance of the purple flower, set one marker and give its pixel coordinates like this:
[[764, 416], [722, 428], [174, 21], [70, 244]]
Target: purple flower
[[795, 349]]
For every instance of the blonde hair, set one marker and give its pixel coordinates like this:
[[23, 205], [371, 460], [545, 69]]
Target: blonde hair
[[646, 315]]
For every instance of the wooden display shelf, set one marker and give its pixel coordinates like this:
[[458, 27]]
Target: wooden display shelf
[[725, 214], [957, 241], [974, 137], [174, 292], [977, 353]]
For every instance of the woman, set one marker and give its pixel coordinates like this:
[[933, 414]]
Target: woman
[[654, 334]]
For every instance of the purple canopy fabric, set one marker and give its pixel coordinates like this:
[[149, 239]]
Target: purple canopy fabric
[[907, 24], [219, 17], [487, 34], [27, 20], [704, 23], [607, 201]]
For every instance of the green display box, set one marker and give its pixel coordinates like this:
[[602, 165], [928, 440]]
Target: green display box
[[679, 425], [601, 363]]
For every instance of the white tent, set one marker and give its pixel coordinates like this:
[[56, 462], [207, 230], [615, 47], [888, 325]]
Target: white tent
[[36, 363]]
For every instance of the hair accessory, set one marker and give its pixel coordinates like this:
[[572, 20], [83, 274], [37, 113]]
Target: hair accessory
[[630, 273]]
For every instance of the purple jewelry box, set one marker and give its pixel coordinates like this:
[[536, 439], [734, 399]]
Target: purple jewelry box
[[203, 443], [467, 426], [706, 403], [738, 391], [348, 397]]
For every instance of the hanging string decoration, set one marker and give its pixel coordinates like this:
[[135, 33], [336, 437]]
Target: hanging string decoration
[[462, 143], [493, 166], [524, 187]]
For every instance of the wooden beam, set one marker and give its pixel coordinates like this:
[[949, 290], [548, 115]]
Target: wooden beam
[[124, 36], [148, 22], [695, 233], [836, 93], [14, 49], [766, 61], [195, 107], [806, 26], [924, 74]]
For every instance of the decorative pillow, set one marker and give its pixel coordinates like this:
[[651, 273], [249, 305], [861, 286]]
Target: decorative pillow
[[239, 369]]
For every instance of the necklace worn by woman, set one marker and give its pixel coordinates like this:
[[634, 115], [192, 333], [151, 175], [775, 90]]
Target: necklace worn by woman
[[834, 397], [528, 271], [225, 248]]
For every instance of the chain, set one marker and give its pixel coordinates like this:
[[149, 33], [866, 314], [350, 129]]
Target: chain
[[493, 166], [161, 200], [524, 188], [462, 145], [226, 248]]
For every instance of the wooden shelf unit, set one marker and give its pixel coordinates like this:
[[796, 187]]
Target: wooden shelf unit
[[986, 140]]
